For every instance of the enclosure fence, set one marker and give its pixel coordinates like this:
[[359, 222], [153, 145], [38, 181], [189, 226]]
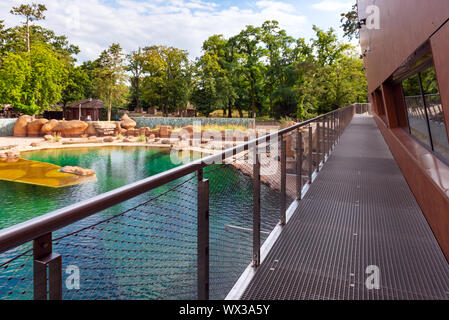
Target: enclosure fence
[[187, 233]]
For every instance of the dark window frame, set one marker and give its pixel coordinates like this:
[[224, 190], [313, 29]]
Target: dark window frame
[[429, 147]]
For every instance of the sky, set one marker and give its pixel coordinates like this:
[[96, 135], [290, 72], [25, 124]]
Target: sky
[[93, 25]]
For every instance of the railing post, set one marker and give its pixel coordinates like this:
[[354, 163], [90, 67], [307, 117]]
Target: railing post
[[44, 258], [323, 151], [256, 208], [310, 153], [325, 143], [328, 134], [338, 127], [318, 145], [299, 161], [333, 130], [203, 237], [283, 180]]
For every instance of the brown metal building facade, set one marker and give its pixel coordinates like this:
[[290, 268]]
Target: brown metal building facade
[[405, 46]]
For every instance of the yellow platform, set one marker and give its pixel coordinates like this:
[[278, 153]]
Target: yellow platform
[[39, 173]]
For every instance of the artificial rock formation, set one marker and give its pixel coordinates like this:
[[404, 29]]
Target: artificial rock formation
[[104, 129], [165, 131], [78, 171], [127, 123], [10, 155], [189, 130], [20, 128], [91, 130], [47, 129], [70, 129], [34, 127]]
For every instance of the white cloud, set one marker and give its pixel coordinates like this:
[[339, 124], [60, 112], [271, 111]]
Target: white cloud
[[333, 5], [94, 25]]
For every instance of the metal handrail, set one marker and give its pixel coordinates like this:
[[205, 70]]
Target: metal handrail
[[37, 227]]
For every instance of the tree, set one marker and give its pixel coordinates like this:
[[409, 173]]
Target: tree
[[32, 12], [2, 34], [247, 45], [78, 84], [221, 67], [109, 77], [167, 80], [32, 81], [136, 65], [338, 77], [278, 51], [89, 68], [349, 23], [205, 95]]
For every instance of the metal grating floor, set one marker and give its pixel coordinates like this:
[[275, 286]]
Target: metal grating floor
[[359, 212]]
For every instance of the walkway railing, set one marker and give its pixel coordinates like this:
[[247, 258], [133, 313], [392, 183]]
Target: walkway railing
[[186, 233]]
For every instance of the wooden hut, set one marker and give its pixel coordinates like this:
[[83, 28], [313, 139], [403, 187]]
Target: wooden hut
[[190, 111], [85, 110]]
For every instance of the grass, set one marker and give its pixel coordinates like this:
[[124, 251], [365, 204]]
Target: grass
[[235, 114]]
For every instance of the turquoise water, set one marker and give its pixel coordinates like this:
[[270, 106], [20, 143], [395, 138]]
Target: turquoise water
[[114, 167], [148, 252]]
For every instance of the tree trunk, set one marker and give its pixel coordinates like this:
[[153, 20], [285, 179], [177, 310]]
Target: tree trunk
[[271, 101], [109, 111], [230, 111], [240, 112], [253, 100], [137, 94], [28, 36]]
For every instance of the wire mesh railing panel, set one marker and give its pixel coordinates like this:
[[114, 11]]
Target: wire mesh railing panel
[[231, 212], [146, 252], [16, 273]]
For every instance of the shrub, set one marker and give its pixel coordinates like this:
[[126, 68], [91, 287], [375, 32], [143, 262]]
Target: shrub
[[142, 138]]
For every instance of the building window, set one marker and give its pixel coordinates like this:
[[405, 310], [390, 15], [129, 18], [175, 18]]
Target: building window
[[425, 112]]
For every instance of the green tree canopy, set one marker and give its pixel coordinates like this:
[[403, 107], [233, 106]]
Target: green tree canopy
[[34, 80], [31, 12], [109, 77]]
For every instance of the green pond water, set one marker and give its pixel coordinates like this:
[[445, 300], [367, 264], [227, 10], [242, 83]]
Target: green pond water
[[148, 252], [114, 167]]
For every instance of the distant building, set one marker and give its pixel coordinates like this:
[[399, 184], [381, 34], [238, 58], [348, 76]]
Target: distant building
[[88, 109], [190, 111]]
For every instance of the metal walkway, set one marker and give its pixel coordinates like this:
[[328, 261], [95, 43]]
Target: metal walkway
[[359, 212]]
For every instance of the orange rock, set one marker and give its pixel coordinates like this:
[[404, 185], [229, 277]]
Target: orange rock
[[78, 171], [132, 133], [10, 155], [34, 127], [127, 123], [68, 129], [118, 128], [165, 131], [104, 129], [47, 129], [20, 128], [91, 130], [189, 130], [155, 132]]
